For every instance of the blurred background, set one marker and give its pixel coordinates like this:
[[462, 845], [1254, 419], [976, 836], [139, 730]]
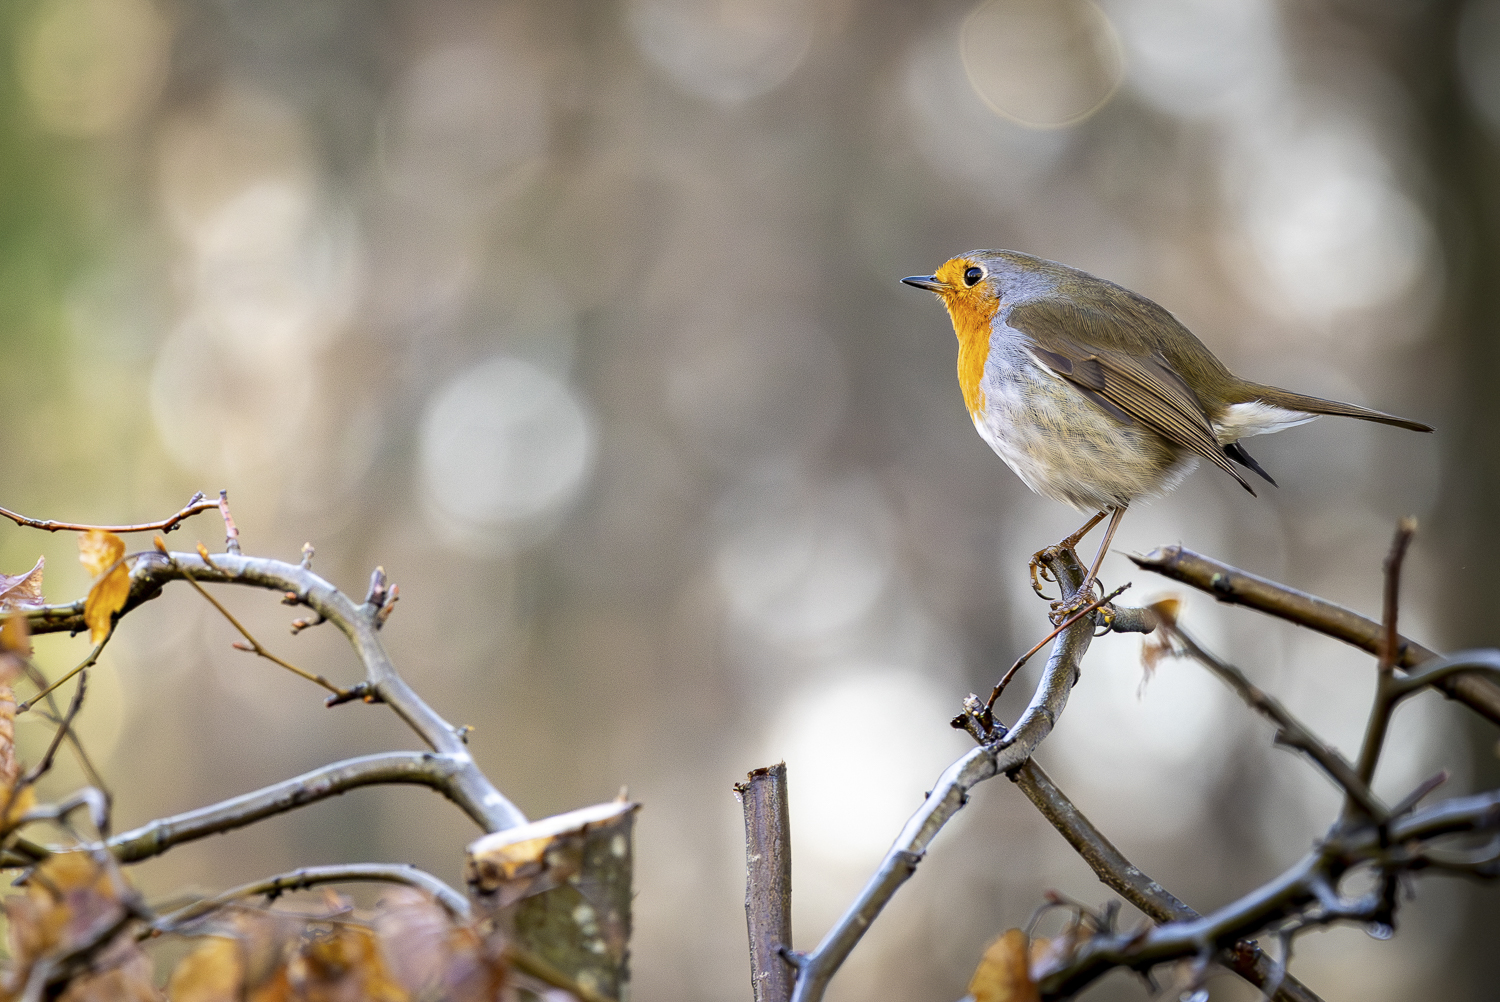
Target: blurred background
[[583, 320]]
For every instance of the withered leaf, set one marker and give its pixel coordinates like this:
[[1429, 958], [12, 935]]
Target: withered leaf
[[341, 964], [100, 551], [10, 765], [432, 956], [120, 973], [1004, 974], [70, 899], [23, 591], [214, 972]]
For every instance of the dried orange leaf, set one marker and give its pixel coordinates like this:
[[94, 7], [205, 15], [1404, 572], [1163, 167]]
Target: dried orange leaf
[[106, 598], [98, 549], [212, 973], [10, 766], [1003, 974], [344, 962], [23, 591], [15, 635]]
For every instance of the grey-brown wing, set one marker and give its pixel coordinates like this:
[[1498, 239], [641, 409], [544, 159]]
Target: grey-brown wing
[[1130, 387]]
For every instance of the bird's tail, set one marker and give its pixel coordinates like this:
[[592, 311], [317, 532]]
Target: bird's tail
[[1288, 400]]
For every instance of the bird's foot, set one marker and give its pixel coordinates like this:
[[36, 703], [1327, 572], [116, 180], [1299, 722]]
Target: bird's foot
[[1040, 573], [1092, 593]]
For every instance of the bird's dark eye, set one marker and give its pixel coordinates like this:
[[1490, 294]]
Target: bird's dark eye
[[973, 275]]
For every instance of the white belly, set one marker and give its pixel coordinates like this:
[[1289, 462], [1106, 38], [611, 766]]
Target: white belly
[[1065, 447]]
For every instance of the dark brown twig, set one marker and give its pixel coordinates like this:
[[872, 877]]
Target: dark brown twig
[[1236, 587], [768, 882], [1290, 732], [39, 770], [1386, 688], [195, 504], [1110, 865]]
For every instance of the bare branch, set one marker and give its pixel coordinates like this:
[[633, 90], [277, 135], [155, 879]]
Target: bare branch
[[1005, 752], [150, 571], [195, 504], [1305, 895], [443, 773], [312, 876], [1291, 732], [1236, 587], [768, 881], [83, 665], [1385, 692], [1110, 865]]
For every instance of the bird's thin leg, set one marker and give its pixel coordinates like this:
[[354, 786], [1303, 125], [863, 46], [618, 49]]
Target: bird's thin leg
[[1068, 543], [1109, 535]]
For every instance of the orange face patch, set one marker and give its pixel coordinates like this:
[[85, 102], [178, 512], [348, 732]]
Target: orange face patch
[[971, 310]]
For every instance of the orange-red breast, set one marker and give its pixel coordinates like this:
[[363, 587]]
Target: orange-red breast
[[1096, 396]]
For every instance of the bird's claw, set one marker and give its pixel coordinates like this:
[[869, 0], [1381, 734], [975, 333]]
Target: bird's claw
[[1040, 573]]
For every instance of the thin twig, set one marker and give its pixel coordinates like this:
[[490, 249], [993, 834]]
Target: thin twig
[[193, 507], [54, 716], [1291, 732], [1236, 587], [83, 665], [256, 648], [231, 531], [768, 881], [1097, 603], [45, 764], [1387, 691], [150, 571], [312, 876]]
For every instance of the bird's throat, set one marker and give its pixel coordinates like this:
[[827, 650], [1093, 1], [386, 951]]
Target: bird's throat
[[971, 322]]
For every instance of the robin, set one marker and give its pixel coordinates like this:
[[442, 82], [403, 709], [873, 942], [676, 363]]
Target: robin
[[1096, 396]]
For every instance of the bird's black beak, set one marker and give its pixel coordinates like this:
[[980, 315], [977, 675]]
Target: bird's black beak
[[928, 282]]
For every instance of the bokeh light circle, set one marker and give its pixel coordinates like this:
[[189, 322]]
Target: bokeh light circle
[[1042, 63], [504, 446], [726, 52]]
